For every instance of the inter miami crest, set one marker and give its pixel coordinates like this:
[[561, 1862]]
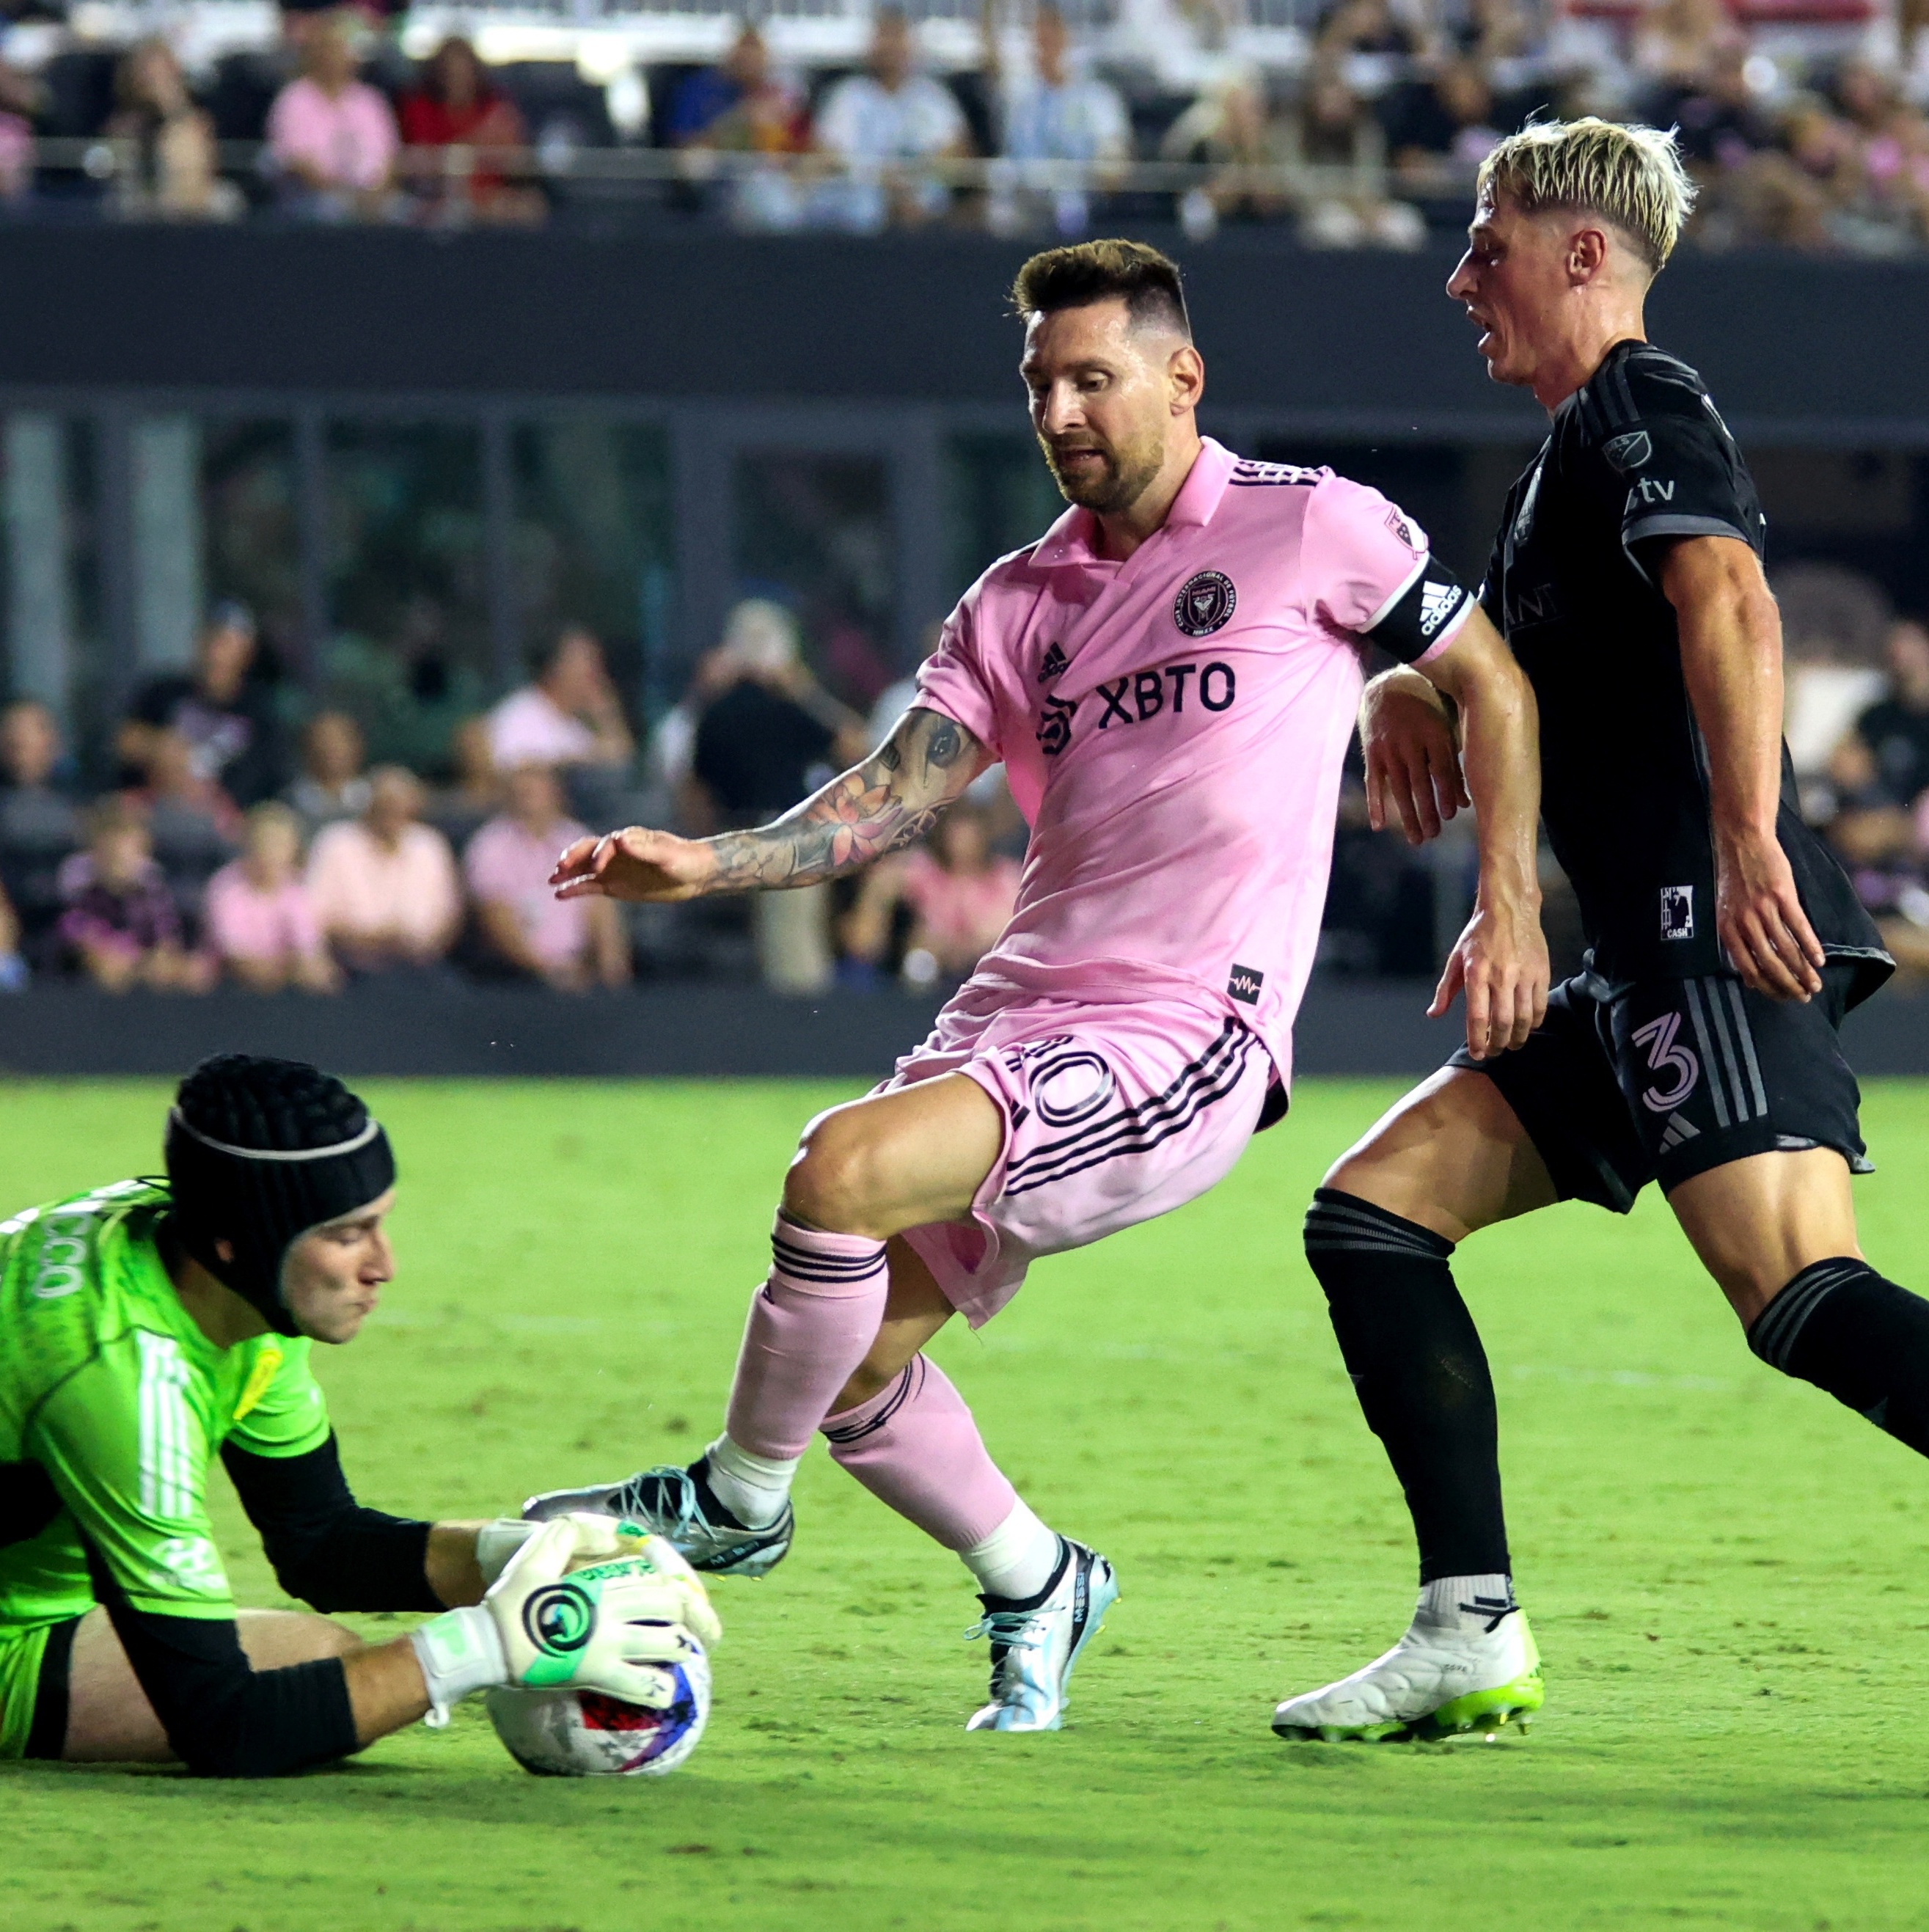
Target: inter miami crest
[[1205, 604]]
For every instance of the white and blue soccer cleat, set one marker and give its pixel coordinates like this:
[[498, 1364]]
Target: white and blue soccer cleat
[[1478, 1673], [676, 1504], [1035, 1646]]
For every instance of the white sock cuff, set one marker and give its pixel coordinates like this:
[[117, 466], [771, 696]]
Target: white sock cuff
[[1452, 1601], [1018, 1557], [755, 1471]]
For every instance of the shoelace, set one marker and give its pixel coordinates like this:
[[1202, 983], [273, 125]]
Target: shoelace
[[689, 1515], [1008, 1629]]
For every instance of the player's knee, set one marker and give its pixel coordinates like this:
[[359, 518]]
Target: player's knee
[[833, 1182], [275, 1639]]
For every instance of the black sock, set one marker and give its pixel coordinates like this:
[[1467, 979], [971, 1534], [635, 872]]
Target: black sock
[[1421, 1374], [699, 1473], [1841, 1326]]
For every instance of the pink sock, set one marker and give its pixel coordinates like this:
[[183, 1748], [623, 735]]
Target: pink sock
[[810, 1324], [915, 1447]]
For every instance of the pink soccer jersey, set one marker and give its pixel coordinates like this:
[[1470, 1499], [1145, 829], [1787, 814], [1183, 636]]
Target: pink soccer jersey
[[1173, 729]]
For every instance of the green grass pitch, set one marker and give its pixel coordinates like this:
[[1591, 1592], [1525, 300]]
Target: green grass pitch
[[1726, 1573]]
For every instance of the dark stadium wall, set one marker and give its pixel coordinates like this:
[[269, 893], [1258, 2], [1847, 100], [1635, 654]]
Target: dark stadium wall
[[685, 1032], [1354, 343]]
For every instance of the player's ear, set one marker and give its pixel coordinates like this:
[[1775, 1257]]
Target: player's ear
[[1185, 373], [1587, 255]]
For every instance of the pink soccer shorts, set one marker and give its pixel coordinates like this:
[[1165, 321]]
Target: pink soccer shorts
[[1114, 1113]]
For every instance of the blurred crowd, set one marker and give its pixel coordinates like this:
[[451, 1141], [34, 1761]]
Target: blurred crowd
[[228, 849], [1361, 122], [1858, 731]]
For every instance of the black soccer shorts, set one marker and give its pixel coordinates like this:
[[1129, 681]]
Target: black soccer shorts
[[1666, 1078]]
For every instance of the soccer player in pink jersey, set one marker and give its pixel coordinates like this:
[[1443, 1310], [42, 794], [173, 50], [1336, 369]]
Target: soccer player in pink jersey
[[1170, 677]]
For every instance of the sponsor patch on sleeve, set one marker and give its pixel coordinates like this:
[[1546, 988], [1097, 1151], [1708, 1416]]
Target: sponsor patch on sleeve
[[1426, 612]]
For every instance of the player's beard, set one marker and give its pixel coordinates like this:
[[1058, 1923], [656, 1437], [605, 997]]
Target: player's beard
[[1126, 476]]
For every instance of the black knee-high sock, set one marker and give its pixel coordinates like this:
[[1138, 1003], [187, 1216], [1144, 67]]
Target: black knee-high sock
[[1843, 1327], [1421, 1374]]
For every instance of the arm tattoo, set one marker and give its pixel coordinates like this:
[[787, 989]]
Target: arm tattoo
[[891, 800]]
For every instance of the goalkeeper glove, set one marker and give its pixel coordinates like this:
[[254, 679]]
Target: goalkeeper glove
[[545, 1622]]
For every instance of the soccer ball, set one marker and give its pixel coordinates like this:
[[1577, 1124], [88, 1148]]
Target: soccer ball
[[565, 1733]]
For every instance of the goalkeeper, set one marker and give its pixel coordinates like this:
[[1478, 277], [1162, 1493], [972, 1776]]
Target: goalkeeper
[[144, 1327]]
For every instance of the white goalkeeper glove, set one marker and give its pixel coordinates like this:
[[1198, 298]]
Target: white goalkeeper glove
[[545, 1622]]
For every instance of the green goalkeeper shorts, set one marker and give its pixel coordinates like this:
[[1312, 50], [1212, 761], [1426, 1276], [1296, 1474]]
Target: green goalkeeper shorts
[[23, 1652]]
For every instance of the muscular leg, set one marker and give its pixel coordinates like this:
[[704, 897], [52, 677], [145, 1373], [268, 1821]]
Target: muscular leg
[[1449, 1159], [109, 1719], [1777, 1231], [1757, 1223], [863, 1174]]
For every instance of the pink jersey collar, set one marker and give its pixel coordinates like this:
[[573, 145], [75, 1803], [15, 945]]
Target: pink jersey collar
[[1070, 540]]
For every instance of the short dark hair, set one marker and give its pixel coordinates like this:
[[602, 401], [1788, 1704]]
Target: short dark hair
[[1146, 281]]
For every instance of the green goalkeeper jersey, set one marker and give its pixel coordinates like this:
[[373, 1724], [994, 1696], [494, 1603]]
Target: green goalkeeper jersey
[[112, 1406]]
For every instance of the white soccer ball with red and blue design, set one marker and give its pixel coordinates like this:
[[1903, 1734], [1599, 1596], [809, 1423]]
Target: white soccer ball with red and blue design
[[565, 1733]]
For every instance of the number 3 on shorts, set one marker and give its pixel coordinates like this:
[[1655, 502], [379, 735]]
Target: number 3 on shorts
[[1664, 1056]]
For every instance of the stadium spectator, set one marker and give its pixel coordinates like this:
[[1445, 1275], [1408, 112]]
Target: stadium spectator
[[1052, 111], [568, 715], [454, 104], [1442, 129], [1676, 42], [881, 124], [1333, 129], [769, 729], [1896, 729], [40, 824], [333, 783], [23, 97], [1719, 119], [458, 809], [1372, 42], [223, 708], [176, 172], [384, 885], [524, 930], [740, 105], [192, 823], [330, 135], [121, 926], [259, 922], [15, 973], [770, 736], [958, 892], [1227, 128]]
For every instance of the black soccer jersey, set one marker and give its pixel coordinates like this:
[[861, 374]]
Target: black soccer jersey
[[1636, 456]]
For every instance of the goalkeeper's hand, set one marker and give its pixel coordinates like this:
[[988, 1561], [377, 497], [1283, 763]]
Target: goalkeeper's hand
[[547, 1622]]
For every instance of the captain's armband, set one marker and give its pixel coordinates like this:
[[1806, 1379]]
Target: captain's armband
[[1422, 616]]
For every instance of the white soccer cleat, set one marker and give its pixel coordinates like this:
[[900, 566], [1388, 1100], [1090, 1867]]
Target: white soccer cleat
[[1438, 1680], [1034, 1650]]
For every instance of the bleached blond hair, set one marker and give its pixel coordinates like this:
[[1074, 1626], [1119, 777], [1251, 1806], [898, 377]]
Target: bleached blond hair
[[1630, 176]]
